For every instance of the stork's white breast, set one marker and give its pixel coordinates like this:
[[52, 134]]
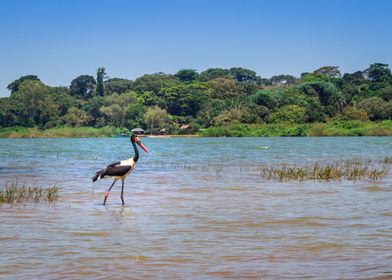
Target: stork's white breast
[[128, 162]]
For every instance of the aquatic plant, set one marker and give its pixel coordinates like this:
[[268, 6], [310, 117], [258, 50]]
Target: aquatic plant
[[12, 193], [386, 160], [347, 169]]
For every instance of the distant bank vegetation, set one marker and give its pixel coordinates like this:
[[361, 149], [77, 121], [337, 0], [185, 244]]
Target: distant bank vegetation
[[215, 102]]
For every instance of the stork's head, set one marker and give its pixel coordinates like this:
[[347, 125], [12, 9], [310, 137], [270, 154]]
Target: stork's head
[[135, 139]]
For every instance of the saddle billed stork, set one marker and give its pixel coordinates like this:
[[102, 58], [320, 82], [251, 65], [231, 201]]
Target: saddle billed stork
[[121, 169]]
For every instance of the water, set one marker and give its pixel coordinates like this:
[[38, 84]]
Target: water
[[196, 208]]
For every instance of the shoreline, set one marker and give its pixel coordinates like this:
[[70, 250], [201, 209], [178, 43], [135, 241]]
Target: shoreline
[[171, 136], [329, 129]]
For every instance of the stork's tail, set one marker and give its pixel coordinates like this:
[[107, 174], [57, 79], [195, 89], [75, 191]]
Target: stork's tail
[[97, 176]]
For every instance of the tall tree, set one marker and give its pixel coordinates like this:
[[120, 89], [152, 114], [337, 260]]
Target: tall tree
[[154, 82], [100, 76], [356, 78], [213, 73], [14, 86], [185, 99], [83, 86], [187, 75], [242, 74], [30, 101], [224, 88], [156, 118], [330, 71], [116, 110], [378, 72], [117, 85]]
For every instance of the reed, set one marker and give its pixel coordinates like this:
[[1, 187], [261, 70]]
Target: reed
[[12, 193], [344, 169], [386, 160]]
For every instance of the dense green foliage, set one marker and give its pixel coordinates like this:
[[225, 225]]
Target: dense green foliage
[[216, 102]]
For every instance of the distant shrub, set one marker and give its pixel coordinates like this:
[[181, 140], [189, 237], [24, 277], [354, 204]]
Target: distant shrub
[[317, 129], [375, 107], [288, 114], [352, 113], [378, 131]]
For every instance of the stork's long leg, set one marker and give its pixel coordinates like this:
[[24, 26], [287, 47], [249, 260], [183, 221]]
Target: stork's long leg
[[122, 192], [107, 193]]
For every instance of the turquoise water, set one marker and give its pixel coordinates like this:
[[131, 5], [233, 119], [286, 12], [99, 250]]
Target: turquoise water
[[196, 208]]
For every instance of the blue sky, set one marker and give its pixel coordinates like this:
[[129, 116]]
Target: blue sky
[[61, 39]]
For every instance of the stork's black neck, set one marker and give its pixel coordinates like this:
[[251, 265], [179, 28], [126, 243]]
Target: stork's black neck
[[136, 157]]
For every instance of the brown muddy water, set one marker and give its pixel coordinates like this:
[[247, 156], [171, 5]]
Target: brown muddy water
[[196, 208]]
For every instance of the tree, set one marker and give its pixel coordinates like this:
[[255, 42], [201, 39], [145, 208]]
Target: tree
[[116, 85], [76, 117], [92, 107], [356, 78], [187, 75], [243, 75], [325, 91], [386, 93], [100, 85], [185, 99], [63, 100], [330, 71], [116, 110], [314, 110], [83, 86], [213, 73], [29, 102], [388, 112], [154, 82], [135, 115], [352, 113], [156, 118], [378, 72], [7, 113], [229, 116], [292, 114], [375, 107], [267, 98], [14, 86], [209, 111], [249, 114], [224, 88]]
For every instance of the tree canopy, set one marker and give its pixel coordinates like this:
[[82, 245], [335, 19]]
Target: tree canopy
[[214, 97]]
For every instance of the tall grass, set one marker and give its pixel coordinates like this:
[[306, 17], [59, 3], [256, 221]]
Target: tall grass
[[12, 193], [347, 169], [57, 132]]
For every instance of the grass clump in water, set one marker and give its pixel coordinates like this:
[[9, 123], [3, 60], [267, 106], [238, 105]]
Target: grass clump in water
[[386, 160], [344, 169], [12, 193]]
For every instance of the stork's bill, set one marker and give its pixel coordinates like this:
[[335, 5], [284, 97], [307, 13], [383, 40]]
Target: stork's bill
[[137, 140]]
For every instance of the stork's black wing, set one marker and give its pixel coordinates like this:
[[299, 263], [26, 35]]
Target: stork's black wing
[[119, 170]]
